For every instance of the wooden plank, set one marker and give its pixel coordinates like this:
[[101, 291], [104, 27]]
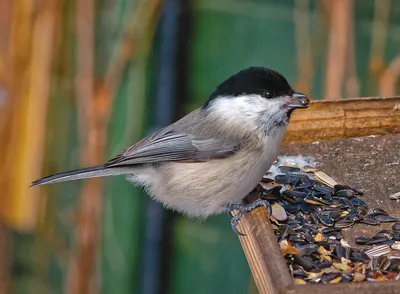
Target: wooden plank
[[269, 269], [262, 251], [392, 287], [353, 117], [264, 266]]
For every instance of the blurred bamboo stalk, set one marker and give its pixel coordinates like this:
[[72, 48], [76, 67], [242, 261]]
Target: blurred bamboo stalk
[[137, 41], [389, 79], [352, 87], [378, 43], [4, 261], [5, 106], [30, 52], [341, 18], [5, 23], [5, 101], [26, 47], [94, 106], [305, 65], [82, 267]]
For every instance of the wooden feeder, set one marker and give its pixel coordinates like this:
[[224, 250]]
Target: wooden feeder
[[322, 121]]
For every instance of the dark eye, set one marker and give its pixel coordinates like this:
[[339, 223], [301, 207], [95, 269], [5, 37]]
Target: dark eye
[[268, 94]]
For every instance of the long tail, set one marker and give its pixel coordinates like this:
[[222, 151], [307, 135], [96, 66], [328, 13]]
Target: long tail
[[83, 173]]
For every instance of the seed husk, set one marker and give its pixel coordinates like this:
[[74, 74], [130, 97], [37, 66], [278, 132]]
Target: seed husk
[[395, 196], [304, 262], [278, 212], [311, 237], [344, 243], [295, 194], [346, 193], [283, 179], [377, 240], [379, 211], [396, 236], [318, 237], [369, 221], [308, 249], [359, 256], [341, 266], [322, 251], [327, 231], [323, 178], [344, 223], [385, 218], [358, 277], [331, 270], [330, 278], [336, 280], [396, 227], [288, 169], [396, 245], [378, 251], [362, 240], [358, 202], [299, 281]]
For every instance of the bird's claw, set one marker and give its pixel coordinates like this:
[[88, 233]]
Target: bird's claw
[[242, 209]]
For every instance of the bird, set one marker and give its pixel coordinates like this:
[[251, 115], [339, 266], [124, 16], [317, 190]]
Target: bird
[[208, 161]]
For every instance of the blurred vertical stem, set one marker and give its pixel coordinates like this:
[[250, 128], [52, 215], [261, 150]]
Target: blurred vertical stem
[[352, 87], [136, 43], [5, 25], [305, 66], [92, 120], [388, 81], [5, 112], [378, 43], [126, 78], [341, 18], [31, 53], [95, 100], [27, 33]]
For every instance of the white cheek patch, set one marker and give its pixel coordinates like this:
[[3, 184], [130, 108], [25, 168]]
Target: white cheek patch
[[253, 111]]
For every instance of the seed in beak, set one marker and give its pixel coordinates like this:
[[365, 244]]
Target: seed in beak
[[298, 100]]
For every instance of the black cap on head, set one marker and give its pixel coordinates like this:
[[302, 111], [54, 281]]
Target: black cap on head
[[253, 80]]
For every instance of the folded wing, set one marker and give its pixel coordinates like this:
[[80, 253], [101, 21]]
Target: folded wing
[[169, 145]]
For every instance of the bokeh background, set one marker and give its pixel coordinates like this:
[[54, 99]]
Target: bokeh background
[[82, 79]]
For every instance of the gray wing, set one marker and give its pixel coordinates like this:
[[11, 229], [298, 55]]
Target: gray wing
[[169, 145]]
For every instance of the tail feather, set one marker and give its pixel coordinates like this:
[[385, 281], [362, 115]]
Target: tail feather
[[83, 173]]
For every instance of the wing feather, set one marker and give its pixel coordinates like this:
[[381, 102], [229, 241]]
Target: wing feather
[[169, 145]]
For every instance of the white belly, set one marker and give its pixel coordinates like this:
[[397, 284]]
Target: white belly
[[203, 189]]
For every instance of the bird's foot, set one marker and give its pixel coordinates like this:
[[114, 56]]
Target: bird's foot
[[244, 208]]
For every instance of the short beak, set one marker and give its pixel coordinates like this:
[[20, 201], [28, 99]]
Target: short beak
[[298, 100]]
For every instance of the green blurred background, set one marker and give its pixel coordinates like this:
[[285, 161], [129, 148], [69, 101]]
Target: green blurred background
[[82, 79]]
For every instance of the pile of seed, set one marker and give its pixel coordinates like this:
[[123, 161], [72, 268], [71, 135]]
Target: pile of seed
[[309, 212]]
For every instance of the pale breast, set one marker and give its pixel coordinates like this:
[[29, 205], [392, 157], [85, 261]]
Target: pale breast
[[203, 189]]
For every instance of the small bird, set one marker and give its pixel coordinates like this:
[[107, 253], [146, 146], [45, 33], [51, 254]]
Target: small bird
[[208, 161]]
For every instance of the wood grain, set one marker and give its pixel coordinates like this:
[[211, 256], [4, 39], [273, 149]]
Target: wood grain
[[262, 251], [269, 269], [354, 117], [392, 287]]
